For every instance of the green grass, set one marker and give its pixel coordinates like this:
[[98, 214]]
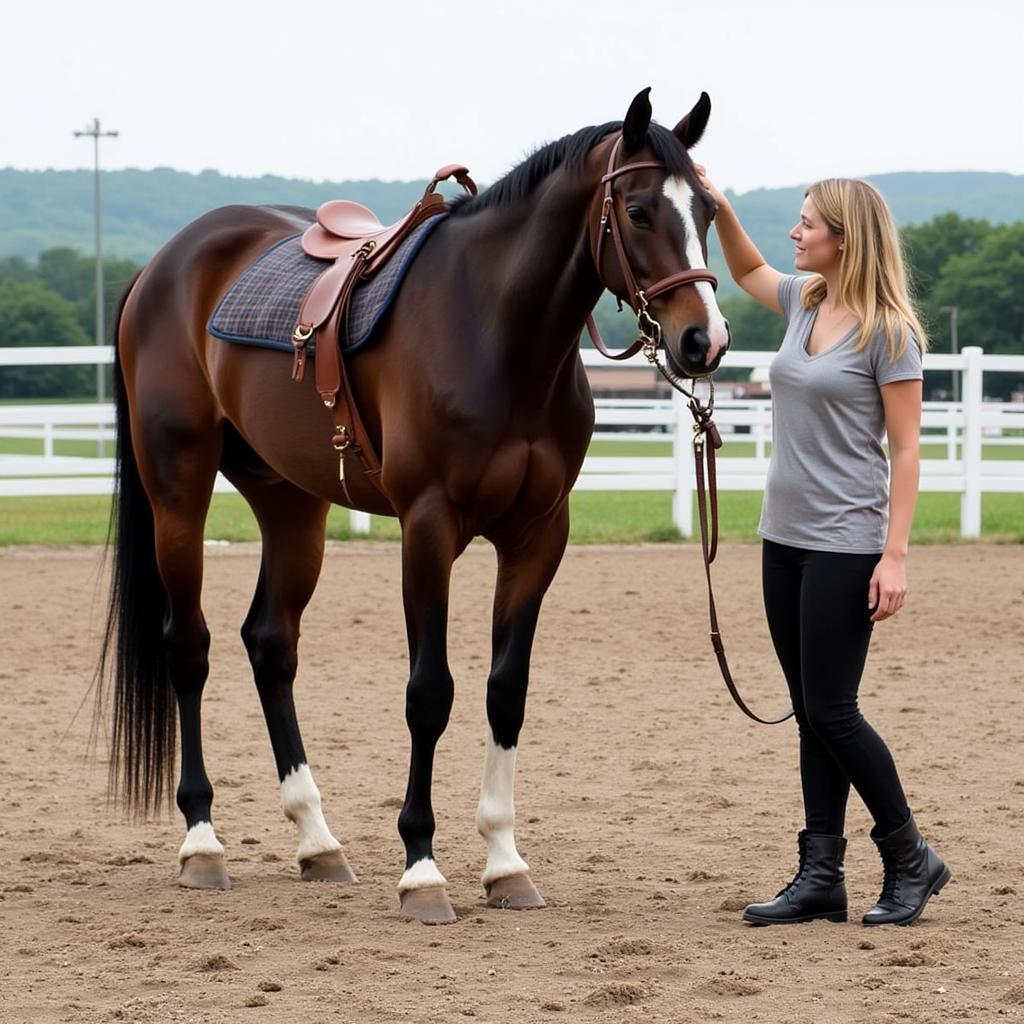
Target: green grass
[[65, 520], [597, 517]]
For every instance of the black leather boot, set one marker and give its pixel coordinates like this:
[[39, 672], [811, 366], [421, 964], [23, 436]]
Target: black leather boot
[[914, 872], [818, 890]]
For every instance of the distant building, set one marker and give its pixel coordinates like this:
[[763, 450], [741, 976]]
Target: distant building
[[647, 382]]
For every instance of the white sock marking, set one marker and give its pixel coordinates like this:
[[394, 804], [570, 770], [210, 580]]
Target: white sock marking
[[200, 838], [682, 198], [300, 801], [496, 813], [422, 875]]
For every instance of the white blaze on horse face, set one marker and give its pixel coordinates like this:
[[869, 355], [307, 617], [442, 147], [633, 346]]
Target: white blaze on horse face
[[300, 801], [496, 813], [682, 198], [199, 839]]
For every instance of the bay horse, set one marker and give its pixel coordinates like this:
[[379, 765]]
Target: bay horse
[[475, 398]]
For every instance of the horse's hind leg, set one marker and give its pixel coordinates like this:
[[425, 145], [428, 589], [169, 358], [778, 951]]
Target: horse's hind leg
[[292, 524], [527, 562], [178, 471]]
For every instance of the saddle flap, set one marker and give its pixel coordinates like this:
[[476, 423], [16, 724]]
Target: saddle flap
[[347, 219], [323, 296]]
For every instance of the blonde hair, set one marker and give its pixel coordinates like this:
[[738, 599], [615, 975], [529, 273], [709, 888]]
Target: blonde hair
[[872, 275]]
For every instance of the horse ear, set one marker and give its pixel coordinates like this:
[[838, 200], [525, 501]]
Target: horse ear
[[638, 120], [691, 128]]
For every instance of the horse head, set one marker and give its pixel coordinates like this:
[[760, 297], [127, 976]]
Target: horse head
[[649, 225]]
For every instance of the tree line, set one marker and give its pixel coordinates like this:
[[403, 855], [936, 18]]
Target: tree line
[[969, 263], [52, 301]]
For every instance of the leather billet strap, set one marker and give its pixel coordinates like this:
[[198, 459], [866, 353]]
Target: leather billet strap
[[327, 365], [609, 225], [345, 413], [706, 441]]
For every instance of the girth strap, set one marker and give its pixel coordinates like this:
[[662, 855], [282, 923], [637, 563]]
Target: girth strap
[[350, 435]]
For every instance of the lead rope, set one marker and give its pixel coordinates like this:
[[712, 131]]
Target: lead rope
[[706, 441]]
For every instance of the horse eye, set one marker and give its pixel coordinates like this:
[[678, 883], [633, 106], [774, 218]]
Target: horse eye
[[637, 214]]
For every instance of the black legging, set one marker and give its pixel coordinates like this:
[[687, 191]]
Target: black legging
[[816, 603]]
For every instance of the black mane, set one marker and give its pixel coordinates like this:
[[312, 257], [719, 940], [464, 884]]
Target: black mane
[[570, 152]]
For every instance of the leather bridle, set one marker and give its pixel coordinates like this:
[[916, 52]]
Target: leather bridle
[[648, 329], [706, 438]]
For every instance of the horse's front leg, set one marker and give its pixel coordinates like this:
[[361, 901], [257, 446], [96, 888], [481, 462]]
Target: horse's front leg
[[292, 524], [430, 544], [527, 562]]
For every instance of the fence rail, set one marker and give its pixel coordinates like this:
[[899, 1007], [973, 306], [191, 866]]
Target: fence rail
[[963, 427]]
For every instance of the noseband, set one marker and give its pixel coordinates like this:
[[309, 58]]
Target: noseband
[[648, 329]]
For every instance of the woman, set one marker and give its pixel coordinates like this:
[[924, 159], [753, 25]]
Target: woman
[[835, 534]]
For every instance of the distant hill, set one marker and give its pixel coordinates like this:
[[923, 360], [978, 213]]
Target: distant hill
[[40, 210], [915, 197], [142, 209]]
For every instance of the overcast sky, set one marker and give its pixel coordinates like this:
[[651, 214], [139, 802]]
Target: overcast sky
[[392, 89]]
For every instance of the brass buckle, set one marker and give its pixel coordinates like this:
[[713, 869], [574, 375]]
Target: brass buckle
[[341, 439], [363, 252], [648, 328], [698, 437], [302, 333]]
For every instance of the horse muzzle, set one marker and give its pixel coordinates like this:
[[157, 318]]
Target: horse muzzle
[[696, 353]]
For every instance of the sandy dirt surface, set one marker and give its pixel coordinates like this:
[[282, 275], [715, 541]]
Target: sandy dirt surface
[[649, 809]]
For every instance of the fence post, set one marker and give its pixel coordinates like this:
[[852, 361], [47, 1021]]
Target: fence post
[[359, 522], [682, 495], [758, 430], [48, 440], [972, 393]]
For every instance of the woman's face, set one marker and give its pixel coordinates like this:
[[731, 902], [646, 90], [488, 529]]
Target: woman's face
[[817, 248]]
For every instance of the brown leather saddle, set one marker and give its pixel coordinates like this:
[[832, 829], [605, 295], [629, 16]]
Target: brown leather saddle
[[358, 245]]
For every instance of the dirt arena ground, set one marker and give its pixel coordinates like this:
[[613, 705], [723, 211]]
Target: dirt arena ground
[[649, 810]]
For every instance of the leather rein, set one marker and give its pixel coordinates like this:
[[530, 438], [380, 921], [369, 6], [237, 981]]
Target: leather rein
[[706, 438]]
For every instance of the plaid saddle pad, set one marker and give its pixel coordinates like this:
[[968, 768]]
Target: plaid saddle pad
[[262, 306]]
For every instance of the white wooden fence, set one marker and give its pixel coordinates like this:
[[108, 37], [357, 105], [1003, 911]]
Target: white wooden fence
[[961, 426]]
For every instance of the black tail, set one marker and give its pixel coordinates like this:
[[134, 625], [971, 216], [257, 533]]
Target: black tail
[[144, 726]]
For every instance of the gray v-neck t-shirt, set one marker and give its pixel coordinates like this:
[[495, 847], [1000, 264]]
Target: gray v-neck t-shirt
[[828, 478]]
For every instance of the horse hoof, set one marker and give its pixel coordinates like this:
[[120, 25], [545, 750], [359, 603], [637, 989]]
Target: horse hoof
[[428, 906], [327, 867], [514, 892], [204, 871]]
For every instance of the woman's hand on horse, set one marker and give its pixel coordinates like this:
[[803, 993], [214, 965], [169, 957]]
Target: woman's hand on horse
[[888, 588], [713, 189]]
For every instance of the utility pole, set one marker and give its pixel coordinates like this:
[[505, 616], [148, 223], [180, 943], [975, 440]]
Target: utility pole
[[954, 347], [94, 133]]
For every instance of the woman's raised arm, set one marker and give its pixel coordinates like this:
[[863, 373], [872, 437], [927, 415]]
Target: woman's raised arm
[[746, 264]]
